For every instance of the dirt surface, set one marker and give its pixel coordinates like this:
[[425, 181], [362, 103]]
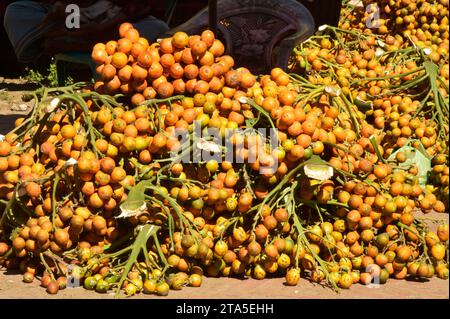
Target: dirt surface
[[12, 287], [11, 104]]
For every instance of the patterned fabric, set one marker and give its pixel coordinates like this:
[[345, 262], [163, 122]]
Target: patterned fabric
[[99, 12], [24, 25]]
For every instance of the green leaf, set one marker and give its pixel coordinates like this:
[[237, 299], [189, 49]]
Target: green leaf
[[135, 201], [417, 157], [363, 106], [318, 169]]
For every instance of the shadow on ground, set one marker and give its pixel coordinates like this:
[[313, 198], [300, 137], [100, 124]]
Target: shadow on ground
[[7, 122], [11, 86]]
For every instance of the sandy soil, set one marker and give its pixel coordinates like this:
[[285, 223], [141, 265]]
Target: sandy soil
[[11, 104], [11, 287]]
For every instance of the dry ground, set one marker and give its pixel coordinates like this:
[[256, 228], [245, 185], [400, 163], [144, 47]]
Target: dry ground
[[11, 104], [11, 286]]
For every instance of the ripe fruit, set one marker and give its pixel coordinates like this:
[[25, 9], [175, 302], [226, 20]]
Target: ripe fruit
[[103, 170], [292, 277], [119, 60], [438, 251], [52, 288]]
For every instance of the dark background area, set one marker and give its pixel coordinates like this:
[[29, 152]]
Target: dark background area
[[324, 11], [11, 68]]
